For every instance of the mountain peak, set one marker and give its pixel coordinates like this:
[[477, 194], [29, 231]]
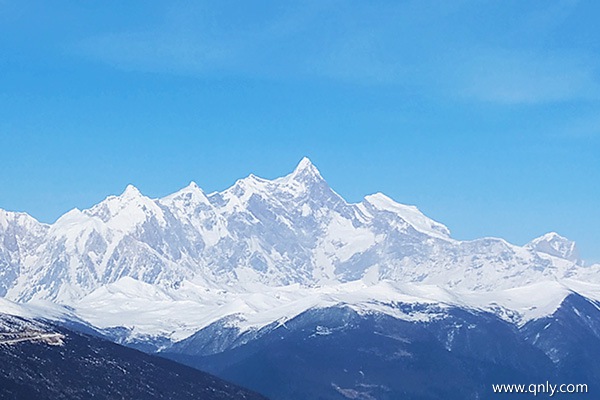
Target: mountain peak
[[192, 187], [306, 165], [410, 214], [552, 236], [192, 194], [306, 170], [555, 245], [127, 210], [130, 192]]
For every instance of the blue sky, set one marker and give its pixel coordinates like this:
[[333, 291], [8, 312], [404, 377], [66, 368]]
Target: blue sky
[[486, 115]]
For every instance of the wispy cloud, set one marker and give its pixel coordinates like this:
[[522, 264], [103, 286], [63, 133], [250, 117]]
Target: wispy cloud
[[411, 44], [529, 77], [200, 41], [585, 126], [158, 52]]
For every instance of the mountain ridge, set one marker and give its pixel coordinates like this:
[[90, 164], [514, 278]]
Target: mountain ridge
[[263, 236]]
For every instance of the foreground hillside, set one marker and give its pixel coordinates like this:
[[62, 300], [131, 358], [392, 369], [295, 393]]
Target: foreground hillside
[[44, 361]]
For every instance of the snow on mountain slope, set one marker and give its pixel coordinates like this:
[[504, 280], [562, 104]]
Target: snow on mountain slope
[[126, 212], [20, 234], [266, 249], [409, 214], [149, 312], [555, 245]]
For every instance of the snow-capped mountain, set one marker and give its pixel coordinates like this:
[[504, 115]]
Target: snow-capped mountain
[[291, 230], [267, 250], [20, 234], [207, 277], [555, 245]]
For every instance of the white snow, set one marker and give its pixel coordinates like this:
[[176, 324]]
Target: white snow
[[182, 312], [410, 214], [266, 251]]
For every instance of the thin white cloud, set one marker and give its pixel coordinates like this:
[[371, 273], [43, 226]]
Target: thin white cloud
[[406, 45], [157, 52], [529, 77], [581, 127], [200, 41]]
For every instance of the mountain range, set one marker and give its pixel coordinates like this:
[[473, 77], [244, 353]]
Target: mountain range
[[213, 280]]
